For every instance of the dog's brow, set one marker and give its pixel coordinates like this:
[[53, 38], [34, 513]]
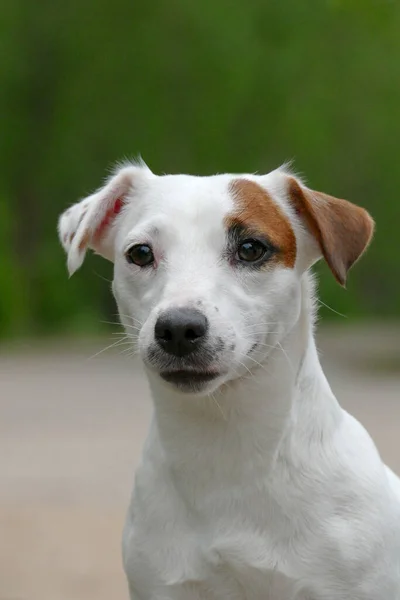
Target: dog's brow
[[257, 211], [238, 231], [147, 232]]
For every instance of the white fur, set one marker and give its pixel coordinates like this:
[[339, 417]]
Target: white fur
[[261, 487]]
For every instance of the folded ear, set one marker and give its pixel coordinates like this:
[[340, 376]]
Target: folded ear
[[91, 223], [342, 230]]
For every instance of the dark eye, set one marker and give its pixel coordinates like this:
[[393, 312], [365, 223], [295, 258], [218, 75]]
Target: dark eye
[[141, 255], [251, 251]]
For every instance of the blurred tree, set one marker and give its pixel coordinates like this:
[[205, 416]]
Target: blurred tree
[[198, 87]]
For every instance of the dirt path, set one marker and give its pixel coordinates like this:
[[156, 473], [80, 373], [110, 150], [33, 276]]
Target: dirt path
[[70, 435]]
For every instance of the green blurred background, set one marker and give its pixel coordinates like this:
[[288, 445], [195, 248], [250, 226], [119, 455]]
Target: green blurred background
[[199, 87]]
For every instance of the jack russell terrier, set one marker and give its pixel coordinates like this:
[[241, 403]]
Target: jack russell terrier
[[254, 483]]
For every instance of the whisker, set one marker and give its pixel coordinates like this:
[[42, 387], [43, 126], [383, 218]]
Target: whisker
[[252, 375], [102, 277], [133, 341], [133, 327], [263, 325], [130, 335], [287, 358], [117, 343], [272, 347], [246, 367], [132, 354], [257, 363], [120, 325], [266, 345], [128, 317], [218, 406], [260, 324], [332, 309], [261, 332], [126, 350]]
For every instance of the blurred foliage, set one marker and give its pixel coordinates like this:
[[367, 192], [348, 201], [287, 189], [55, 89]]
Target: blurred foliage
[[194, 86]]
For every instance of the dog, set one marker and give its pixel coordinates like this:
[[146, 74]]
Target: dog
[[254, 483]]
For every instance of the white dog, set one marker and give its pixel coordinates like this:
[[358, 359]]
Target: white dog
[[254, 483]]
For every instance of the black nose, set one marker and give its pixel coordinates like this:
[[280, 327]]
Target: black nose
[[180, 331]]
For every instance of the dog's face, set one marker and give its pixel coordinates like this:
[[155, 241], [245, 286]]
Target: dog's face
[[209, 281], [208, 269]]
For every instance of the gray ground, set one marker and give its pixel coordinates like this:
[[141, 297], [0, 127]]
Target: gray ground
[[70, 435]]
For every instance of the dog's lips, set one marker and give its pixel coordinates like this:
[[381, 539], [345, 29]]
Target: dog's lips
[[189, 380]]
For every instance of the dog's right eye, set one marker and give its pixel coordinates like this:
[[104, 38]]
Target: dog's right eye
[[141, 255], [252, 251]]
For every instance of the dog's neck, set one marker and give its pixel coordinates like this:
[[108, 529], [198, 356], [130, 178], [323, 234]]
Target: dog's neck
[[251, 416]]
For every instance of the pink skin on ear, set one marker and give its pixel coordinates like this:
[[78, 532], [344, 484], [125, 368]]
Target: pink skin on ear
[[89, 223], [109, 216]]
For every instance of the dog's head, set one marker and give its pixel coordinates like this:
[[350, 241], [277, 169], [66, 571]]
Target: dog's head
[[207, 270]]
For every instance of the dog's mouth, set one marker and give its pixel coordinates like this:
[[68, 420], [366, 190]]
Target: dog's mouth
[[189, 381]]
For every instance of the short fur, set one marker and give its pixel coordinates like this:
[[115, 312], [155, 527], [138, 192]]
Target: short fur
[[256, 485]]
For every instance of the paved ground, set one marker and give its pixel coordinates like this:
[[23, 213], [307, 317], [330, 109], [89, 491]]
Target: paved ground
[[70, 435]]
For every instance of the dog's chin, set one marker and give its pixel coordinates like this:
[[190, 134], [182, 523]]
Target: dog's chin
[[190, 381]]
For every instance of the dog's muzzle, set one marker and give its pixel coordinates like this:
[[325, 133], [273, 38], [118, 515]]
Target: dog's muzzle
[[182, 352]]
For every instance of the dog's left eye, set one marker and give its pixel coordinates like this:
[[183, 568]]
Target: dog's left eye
[[252, 251], [141, 255]]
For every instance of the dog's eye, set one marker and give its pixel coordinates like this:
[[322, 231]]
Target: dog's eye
[[252, 251], [141, 255]]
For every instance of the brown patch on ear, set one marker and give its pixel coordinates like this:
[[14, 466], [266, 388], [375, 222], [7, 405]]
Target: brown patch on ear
[[342, 229], [258, 211]]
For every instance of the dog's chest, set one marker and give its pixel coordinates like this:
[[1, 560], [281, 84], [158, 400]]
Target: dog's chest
[[192, 567], [174, 554]]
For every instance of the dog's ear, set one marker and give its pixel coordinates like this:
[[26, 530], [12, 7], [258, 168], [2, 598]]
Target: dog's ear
[[91, 223], [341, 229]]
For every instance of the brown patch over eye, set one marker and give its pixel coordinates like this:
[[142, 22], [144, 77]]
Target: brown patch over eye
[[257, 211]]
